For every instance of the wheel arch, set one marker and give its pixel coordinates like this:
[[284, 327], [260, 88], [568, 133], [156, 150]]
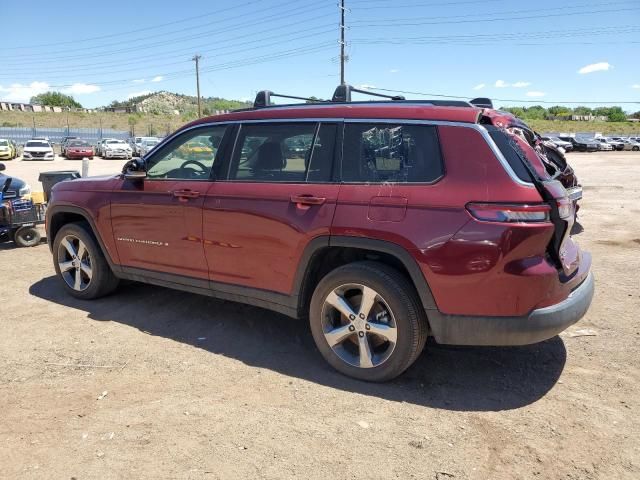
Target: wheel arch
[[324, 254], [59, 216]]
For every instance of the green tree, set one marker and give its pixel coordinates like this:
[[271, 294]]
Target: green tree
[[55, 99], [582, 111], [616, 114], [559, 111], [536, 112]]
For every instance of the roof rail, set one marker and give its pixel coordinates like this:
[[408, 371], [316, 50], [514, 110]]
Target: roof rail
[[343, 94], [263, 98]]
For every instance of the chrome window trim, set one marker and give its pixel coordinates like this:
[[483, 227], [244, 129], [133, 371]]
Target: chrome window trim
[[474, 126]]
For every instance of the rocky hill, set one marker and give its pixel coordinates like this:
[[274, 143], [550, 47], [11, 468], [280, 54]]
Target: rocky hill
[[167, 103]]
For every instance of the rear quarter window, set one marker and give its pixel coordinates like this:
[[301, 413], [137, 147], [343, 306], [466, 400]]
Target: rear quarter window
[[512, 152], [397, 153]]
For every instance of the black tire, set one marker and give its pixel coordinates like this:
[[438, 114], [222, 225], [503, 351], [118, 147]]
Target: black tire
[[27, 237], [395, 291], [102, 281], [635, 149]]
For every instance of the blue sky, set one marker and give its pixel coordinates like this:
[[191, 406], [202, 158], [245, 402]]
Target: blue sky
[[545, 51]]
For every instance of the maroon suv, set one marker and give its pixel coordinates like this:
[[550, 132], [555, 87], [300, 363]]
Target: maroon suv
[[381, 222]]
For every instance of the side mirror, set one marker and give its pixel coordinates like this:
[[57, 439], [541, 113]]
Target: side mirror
[[134, 169], [2, 167]]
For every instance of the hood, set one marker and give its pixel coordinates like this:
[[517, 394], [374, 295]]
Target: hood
[[15, 185], [101, 183], [38, 149]]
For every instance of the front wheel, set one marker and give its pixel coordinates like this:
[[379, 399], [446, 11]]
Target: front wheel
[[367, 321], [80, 263], [635, 149]]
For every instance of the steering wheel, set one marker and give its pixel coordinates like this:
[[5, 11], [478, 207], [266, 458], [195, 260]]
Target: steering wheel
[[196, 163]]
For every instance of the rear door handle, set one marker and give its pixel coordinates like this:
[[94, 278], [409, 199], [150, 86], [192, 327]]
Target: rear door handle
[[307, 200], [183, 195]]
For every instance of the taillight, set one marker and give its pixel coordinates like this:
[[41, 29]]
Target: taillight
[[510, 213], [565, 208]]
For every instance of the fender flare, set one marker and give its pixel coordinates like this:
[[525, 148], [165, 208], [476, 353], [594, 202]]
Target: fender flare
[[382, 246], [56, 209]]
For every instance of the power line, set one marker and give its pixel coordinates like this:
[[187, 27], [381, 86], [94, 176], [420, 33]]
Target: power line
[[459, 97], [219, 53], [138, 30], [412, 22], [66, 54]]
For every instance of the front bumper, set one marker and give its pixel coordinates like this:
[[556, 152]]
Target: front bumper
[[6, 155], [539, 325], [108, 154]]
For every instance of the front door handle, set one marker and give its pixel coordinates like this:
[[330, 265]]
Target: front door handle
[[184, 195], [307, 200]]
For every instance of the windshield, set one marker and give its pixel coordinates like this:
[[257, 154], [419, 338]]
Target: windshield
[[150, 143], [37, 144], [78, 144], [110, 142], [4, 143]]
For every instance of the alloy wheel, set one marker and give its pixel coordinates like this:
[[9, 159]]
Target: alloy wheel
[[359, 326], [75, 263]]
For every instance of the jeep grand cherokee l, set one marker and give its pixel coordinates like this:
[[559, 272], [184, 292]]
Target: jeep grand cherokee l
[[380, 222]]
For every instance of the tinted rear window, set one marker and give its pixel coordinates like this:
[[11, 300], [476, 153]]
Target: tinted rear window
[[512, 153], [376, 153]]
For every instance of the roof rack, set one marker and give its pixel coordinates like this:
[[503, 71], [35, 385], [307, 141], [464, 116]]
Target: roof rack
[[263, 98], [342, 94]]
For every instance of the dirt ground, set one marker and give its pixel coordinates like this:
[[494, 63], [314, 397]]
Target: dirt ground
[[154, 383]]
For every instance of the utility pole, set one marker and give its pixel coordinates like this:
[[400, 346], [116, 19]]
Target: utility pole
[[196, 59], [342, 57]]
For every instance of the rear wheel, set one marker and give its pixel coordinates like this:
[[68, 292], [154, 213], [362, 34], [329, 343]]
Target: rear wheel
[[367, 321], [635, 149], [27, 237], [80, 263]]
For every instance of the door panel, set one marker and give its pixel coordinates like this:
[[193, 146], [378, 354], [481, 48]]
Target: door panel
[[155, 230], [254, 234]]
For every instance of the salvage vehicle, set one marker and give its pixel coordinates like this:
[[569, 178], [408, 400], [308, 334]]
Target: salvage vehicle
[[604, 144], [146, 145], [114, 148], [78, 149], [581, 144], [566, 146], [37, 150], [8, 150], [401, 219], [63, 144]]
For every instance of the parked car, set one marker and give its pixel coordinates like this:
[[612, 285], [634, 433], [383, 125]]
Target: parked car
[[8, 150], [137, 144], [581, 144], [616, 144], [603, 144], [13, 188], [567, 146], [63, 144], [146, 145], [630, 145], [114, 148], [79, 149], [37, 150], [382, 233]]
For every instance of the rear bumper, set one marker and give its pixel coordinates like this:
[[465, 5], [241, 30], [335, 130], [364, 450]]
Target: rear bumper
[[539, 325]]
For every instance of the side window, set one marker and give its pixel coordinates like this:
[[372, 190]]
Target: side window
[[297, 152], [190, 156], [376, 153]]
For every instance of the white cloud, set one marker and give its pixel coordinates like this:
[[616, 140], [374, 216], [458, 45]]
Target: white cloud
[[138, 94], [480, 86], [535, 94], [394, 70], [159, 78], [366, 86], [595, 67], [140, 80], [81, 89], [17, 92], [637, 85], [503, 84]]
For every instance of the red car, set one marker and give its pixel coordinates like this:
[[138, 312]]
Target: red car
[[382, 223], [78, 149]]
